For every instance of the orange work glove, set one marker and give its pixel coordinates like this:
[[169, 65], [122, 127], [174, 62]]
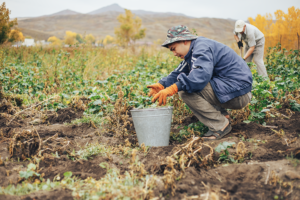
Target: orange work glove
[[155, 88], [163, 94]]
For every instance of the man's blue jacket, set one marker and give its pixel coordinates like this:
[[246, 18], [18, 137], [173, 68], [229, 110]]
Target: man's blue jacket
[[211, 61]]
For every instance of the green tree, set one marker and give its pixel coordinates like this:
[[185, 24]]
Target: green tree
[[5, 23], [130, 28], [79, 38]]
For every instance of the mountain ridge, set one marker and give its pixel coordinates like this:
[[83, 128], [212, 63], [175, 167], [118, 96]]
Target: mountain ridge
[[65, 12], [115, 8]]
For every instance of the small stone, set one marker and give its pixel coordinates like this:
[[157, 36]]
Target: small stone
[[35, 122], [292, 175], [160, 184], [193, 182]]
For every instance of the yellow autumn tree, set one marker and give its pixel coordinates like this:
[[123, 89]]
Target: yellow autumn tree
[[6, 24], [263, 23], [130, 28], [70, 38], [285, 30], [54, 41], [16, 35], [108, 40], [90, 39]]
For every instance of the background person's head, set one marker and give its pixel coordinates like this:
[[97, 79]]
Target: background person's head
[[240, 26], [179, 40]]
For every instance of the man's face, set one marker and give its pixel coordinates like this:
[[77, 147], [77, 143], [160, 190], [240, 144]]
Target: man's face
[[180, 49]]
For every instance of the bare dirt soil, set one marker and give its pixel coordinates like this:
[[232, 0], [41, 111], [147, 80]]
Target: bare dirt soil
[[257, 177]]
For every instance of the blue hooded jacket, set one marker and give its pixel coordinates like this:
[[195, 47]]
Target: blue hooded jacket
[[211, 61]]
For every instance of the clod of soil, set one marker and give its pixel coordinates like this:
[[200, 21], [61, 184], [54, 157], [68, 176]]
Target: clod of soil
[[83, 169], [65, 115]]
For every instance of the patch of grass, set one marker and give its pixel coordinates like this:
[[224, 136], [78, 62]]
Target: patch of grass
[[27, 188], [93, 119], [112, 186], [87, 119], [197, 128], [90, 150], [255, 141], [95, 149], [294, 161]]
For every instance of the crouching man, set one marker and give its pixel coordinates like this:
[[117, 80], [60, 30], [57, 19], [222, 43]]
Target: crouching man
[[210, 79]]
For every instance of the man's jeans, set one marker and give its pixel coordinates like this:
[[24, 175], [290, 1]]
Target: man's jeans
[[208, 109]]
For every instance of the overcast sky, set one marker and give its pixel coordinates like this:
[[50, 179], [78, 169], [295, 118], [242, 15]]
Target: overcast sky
[[235, 9]]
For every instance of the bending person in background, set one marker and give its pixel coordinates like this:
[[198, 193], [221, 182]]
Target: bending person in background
[[255, 43], [210, 79]]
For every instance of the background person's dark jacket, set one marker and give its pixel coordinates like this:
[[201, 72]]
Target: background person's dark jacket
[[211, 61]]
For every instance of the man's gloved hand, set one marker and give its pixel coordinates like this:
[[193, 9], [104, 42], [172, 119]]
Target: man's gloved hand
[[240, 44], [155, 88], [163, 94]]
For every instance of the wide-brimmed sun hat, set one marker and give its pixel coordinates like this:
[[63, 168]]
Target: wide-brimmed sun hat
[[178, 33]]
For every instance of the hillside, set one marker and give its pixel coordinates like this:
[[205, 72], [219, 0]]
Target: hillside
[[102, 22], [101, 25]]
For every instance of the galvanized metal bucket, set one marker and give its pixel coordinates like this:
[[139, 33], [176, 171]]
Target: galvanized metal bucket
[[152, 125]]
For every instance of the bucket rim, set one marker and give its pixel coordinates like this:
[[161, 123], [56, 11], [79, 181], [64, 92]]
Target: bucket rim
[[151, 109]]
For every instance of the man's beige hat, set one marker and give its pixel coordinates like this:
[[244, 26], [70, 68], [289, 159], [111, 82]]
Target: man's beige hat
[[239, 26]]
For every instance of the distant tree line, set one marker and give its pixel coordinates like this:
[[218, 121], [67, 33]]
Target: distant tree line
[[128, 32]]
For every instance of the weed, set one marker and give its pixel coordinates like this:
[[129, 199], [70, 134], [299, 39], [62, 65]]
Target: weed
[[279, 133], [240, 152], [118, 119], [30, 172], [197, 129], [91, 150], [294, 161], [181, 110], [170, 175], [225, 156], [88, 119]]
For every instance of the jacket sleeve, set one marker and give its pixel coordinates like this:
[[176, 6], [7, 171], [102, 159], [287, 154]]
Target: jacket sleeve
[[182, 68], [202, 71]]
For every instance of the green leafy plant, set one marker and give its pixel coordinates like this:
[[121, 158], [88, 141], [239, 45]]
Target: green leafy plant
[[225, 156], [30, 172], [223, 146]]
